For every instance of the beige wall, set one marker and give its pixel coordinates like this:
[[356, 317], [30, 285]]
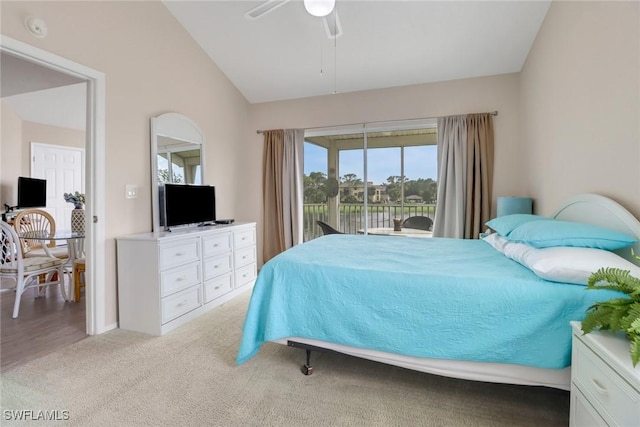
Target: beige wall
[[419, 101], [16, 148], [10, 155], [580, 105], [152, 66]]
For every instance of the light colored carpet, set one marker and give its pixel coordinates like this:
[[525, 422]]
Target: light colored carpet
[[189, 378]]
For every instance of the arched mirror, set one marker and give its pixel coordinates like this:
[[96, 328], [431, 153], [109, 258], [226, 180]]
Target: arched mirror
[[177, 156]]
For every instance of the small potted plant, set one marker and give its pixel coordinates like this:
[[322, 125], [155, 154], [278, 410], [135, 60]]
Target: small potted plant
[[77, 214], [76, 198], [618, 314]]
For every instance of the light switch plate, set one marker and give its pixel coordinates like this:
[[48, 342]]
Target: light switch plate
[[131, 191]]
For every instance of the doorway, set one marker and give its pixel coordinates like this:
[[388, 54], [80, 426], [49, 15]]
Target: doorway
[[94, 301]]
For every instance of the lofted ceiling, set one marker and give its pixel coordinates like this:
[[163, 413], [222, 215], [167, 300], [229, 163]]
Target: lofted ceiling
[[286, 54]]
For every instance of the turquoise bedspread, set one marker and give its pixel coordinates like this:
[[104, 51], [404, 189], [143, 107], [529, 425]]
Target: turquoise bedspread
[[435, 298]]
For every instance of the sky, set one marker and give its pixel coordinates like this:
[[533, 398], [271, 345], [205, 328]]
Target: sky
[[420, 162]]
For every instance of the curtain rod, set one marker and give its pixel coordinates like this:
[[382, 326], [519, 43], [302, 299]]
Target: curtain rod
[[493, 113]]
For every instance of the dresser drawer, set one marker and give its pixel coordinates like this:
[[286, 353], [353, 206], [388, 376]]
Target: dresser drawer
[[610, 394], [181, 303], [179, 278], [217, 244], [217, 287], [216, 266], [178, 253], [245, 256], [246, 274], [244, 238]]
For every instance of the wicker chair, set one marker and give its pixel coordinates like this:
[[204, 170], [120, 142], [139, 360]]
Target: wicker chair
[[30, 220], [418, 222], [327, 229], [25, 272]]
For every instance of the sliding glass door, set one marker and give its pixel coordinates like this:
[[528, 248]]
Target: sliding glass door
[[360, 180]]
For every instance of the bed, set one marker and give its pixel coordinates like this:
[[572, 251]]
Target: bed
[[452, 307]]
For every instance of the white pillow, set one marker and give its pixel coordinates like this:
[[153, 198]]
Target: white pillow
[[515, 251], [571, 264], [562, 263]]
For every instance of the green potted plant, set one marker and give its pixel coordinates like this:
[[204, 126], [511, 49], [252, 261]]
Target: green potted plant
[[76, 198], [618, 314]]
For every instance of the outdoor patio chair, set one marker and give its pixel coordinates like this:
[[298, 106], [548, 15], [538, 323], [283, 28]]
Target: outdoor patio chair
[[418, 222], [327, 229]]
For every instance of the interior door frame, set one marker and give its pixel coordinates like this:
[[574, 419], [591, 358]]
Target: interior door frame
[[94, 172]]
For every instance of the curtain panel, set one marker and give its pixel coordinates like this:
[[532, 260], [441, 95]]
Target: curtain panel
[[282, 190], [465, 175]]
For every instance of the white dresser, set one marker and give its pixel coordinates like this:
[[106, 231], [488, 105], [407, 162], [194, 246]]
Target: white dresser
[[166, 279], [605, 387]]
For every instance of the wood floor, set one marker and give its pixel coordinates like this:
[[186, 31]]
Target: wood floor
[[44, 325]]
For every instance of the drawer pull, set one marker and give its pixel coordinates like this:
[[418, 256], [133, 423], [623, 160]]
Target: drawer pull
[[216, 288], [215, 245], [244, 238], [216, 266], [179, 253], [244, 257], [599, 387], [181, 304], [181, 278]]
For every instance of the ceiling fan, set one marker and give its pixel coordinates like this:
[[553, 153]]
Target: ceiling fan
[[320, 8]]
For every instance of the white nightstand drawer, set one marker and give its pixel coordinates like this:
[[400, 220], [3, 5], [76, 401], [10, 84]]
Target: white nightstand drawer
[[217, 244], [610, 394], [246, 274], [582, 413], [181, 303], [244, 238], [245, 256], [217, 287], [216, 266], [179, 253], [179, 278]]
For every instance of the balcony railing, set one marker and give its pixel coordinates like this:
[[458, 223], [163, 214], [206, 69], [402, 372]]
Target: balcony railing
[[352, 216]]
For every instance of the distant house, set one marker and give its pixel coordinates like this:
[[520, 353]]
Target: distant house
[[413, 199], [357, 190]]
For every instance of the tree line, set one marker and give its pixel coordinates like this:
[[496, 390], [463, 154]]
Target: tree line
[[318, 188]]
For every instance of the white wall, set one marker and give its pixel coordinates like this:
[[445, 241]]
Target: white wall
[[580, 105]]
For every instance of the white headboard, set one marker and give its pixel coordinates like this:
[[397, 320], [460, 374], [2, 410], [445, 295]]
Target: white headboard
[[601, 211]]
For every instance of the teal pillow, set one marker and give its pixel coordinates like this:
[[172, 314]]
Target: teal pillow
[[503, 225], [546, 234]]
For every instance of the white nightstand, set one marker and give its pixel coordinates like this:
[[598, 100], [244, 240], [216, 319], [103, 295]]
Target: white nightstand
[[605, 387]]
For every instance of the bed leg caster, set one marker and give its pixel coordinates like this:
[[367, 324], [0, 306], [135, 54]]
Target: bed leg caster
[[306, 368]]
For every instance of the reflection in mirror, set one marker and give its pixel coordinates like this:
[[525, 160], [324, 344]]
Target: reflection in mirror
[[176, 157], [178, 164]]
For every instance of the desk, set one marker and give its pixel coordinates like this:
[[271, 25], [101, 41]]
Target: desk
[[75, 248], [406, 232]]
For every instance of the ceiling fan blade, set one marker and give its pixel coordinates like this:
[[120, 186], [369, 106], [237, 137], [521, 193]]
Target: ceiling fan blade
[[332, 25], [264, 8]]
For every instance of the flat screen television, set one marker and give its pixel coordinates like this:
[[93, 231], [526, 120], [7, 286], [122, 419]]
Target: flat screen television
[[32, 192], [186, 204]]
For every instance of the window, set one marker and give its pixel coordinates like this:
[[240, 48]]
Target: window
[[355, 181]]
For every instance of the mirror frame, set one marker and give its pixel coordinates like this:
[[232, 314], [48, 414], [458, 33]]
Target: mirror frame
[[174, 126]]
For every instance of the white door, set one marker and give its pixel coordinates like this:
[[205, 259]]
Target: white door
[[63, 168]]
